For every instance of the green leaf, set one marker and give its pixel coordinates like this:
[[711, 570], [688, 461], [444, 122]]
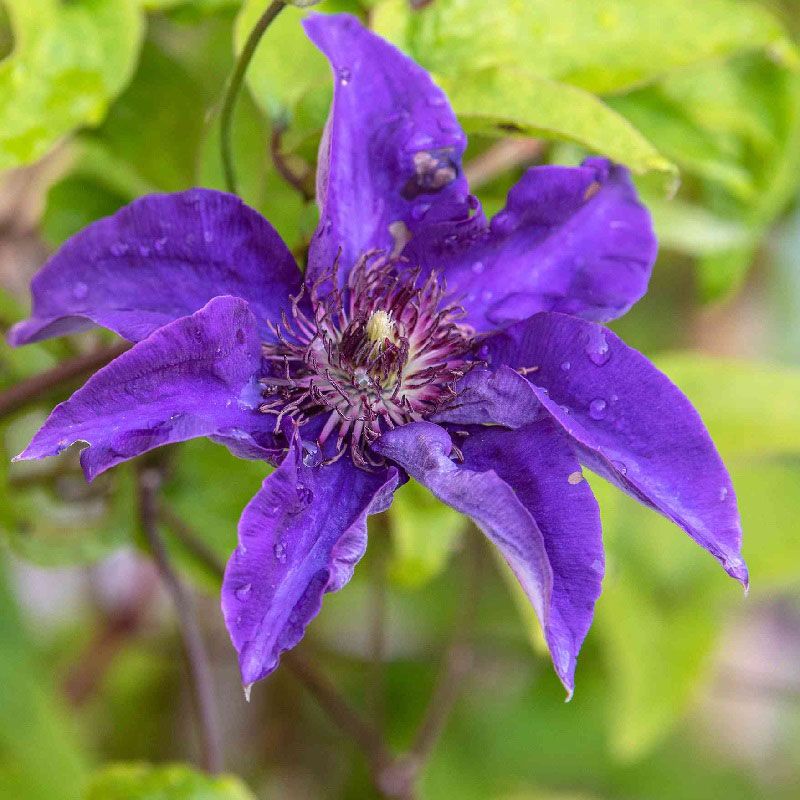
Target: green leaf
[[735, 130], [602, 47], [664, 602], [70, 60], [176, 782], [502, 100], [424, 535], [208, 489], [40, 757], [287, 67], [690, 228], [750, 408]]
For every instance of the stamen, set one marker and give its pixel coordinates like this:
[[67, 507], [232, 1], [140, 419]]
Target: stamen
[[383, 351]]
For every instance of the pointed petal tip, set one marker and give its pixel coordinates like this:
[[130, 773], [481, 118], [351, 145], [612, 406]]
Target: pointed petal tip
[[570, 694], [248, 688], [737, 569]]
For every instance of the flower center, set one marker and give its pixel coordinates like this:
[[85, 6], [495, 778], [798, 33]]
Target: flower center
[[381, 352]]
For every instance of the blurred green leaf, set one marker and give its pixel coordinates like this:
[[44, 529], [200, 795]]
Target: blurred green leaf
[[602, 47], [208, 489], [750, 408], [734, 131], [664, 602], [287, 66], [39, 754], [177, 782], [69, 61], [690, 228], [511, 99], [424, 535]]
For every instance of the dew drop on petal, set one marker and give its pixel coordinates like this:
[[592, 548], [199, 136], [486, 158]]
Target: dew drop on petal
[[208, 237], [160, 244], [565, 365], [80, 290], [620, 467], [304, 495], [487, 295], [597, 408], [419, 211], [244, 590], [119, 249], [437, 101], [280, 552], [420, 141], [345, 76], [723, 493], [144, 250], [478, 267], [311, 454], [597, 348]]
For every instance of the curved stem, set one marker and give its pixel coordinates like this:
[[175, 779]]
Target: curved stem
[[59, 377], [196, 654], [235, 86]]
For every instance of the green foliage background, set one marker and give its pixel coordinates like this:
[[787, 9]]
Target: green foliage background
[[701, 98]]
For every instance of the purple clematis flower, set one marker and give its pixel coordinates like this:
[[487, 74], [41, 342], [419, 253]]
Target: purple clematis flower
[[422, 342]]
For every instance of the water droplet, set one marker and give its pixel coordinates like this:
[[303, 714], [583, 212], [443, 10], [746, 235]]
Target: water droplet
[[574, 478], [244, 590], [597, 408], [565, 409], [597, 348], [304, 495], [436, 101], [723, 493], [80, 290], [160, 244], [420, 141], [119, 249], [597, 565], [208, 237], [487, 295], [280, 552], [619, 467], [565, 365], [345, 76], [419, 211], [144, 250], [311, 455], [503, 223], [478, 267]]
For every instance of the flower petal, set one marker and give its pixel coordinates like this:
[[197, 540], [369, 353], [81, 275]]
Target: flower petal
[[570, 239], [422, 449], [631, 424], [538, 463], [158, 259], [491, 397], [391, 153], [193, 377], [299, 537]]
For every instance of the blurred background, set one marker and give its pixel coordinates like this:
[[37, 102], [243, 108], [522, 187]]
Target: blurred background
[[684, 688]]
